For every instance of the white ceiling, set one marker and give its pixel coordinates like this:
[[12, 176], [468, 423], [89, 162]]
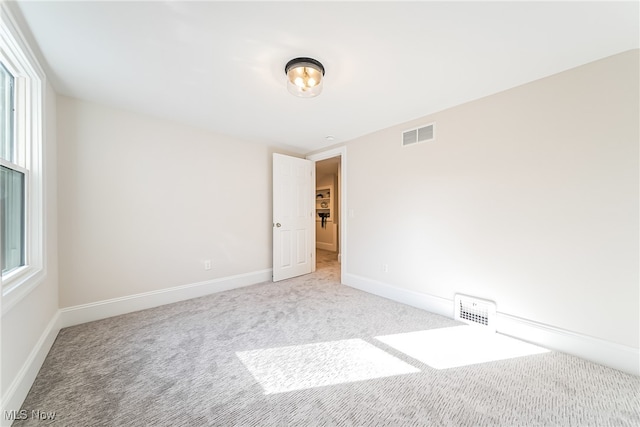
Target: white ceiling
[[220, 65]]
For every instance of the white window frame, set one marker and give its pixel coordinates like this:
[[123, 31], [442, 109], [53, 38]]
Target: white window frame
[[29, 81]]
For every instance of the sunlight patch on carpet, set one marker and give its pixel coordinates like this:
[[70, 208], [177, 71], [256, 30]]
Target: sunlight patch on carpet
[[458, 346], [299, 367]]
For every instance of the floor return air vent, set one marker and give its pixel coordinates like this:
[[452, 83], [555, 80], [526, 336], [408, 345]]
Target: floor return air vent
[[475, 311]]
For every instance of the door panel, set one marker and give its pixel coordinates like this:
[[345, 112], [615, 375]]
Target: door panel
[[293, 221]]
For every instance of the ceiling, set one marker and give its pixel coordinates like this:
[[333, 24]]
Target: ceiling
[[220, 65]]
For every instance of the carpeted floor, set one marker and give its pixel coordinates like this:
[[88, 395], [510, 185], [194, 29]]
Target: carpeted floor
[[304, 352]]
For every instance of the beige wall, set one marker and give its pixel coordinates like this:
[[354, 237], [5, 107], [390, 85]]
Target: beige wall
[[143, 202], [528, 197], [24, 324]]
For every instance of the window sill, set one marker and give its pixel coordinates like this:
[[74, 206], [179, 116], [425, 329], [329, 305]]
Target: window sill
[[18, 284]]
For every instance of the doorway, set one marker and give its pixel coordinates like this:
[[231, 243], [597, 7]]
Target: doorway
[[327, 215], [342, 208]]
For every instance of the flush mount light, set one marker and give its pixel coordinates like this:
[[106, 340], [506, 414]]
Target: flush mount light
[[304, 77]]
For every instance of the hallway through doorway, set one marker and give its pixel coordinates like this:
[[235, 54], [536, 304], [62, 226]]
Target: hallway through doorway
[[327, 264]]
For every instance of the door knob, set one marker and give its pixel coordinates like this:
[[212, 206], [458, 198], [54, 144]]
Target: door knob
[[278, 225]]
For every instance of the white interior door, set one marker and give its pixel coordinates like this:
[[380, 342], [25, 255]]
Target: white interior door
[[293, 216]]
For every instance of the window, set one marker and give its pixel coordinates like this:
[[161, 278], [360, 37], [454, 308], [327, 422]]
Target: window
[[12, 181], [6, 114], [21, 182]]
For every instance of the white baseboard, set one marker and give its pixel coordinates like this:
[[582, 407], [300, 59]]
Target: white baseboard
[[617, 356], [426, 302], [114, 307], [19, 388]]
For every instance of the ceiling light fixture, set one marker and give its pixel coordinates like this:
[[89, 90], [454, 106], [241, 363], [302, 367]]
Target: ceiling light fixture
[[304, 77]]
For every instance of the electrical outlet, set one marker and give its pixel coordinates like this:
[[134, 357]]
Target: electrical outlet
[[207, 264], [385, 268]]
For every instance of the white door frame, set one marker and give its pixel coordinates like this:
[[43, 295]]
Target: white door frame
[[327, 154]]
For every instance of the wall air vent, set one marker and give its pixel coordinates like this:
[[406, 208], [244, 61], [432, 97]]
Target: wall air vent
[[419, 134], [475, 311]]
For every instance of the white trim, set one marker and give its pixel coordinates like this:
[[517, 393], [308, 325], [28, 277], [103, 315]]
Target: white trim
[[30, 81], [327, 154], [19, 41], [597, 350], [617, 356], [437, 305], [116, 306], [19, 388], [13, 294]]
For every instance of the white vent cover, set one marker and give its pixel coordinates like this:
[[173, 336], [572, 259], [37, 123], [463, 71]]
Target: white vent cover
[[420, 134], [475, 311]]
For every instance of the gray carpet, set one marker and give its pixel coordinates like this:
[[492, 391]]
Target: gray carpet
[[180, 365]]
